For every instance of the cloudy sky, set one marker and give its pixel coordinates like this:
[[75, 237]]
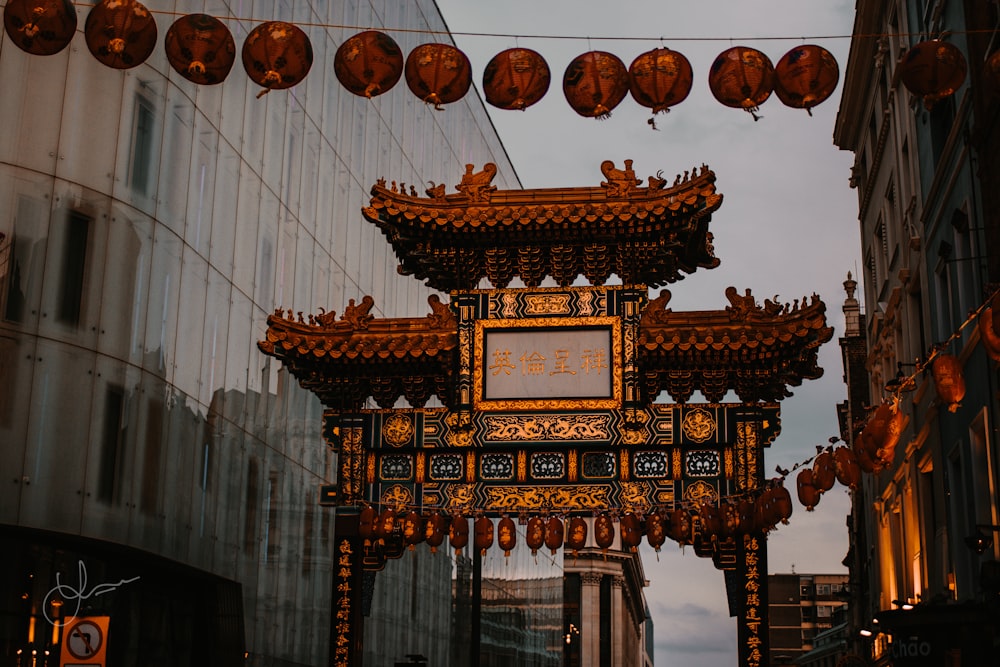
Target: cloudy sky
[[787, 225]]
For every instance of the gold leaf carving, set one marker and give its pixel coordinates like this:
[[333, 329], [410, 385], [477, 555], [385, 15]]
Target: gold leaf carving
[[547, 304], [698, 425], [510, 428]]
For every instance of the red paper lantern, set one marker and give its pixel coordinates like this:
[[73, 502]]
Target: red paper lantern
[[595, 83], [932, 70], [200, 48], [369, 63], [659, 79], [484, 534], [806, 76], [576, 534], [534, 534], [434, 531], [506, 535], [438, 73], [656, 530], [413, 529], [866, 461], [746, 510], [277, 55], [40, 27], [366, 522], [554, 534], [631, 532], [949, 381], [120, 33], [742, 78], [988, 331], [385, 523], [992, 70], [846, 465], [886, 451], [807, 491], [765, 514], [680, 527], [516, 79], [711, 520], [782, 501], [824, 471], [604, 532], [458, 533], [729, 519]]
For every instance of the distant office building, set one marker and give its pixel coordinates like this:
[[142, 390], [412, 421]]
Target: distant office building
[[801, 606], [148, 226]]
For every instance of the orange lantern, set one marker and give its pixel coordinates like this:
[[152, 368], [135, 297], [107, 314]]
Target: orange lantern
[[681, 527], [746, 510], [366, 522], [438, 73], [40, 27], [807, 491], [595, 83], [576, 534], [458, 533], [277, 55], [631, 532], [782, 500], [946, 370], [554, 534], [506, 535], [369, 63], [659, 79], [824, 471], [729, 519], [988, 331], [534, 534], [200, 48], [846, 466], [866, 461], [434, 531], [484, 534], [413, 529], [765, 515], [886, 451], [806, 76], [656, 530], [604, 532], [932, 70], [385, 523], [711, 520], [992, 69], [742, 78], [516, 79], [120, 33]]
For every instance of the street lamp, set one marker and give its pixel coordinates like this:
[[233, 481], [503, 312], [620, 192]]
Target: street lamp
[[981, 542]]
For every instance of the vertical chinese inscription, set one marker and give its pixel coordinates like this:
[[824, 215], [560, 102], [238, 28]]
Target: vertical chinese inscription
[[344, 604], [351, 463], [753, 621]]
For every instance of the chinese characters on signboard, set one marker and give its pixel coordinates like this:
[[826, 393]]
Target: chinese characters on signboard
[[536, 364]]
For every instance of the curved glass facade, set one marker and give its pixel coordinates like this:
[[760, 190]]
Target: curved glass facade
[[148, 226]]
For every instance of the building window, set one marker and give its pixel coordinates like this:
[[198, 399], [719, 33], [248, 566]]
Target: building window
[[112, 440], [73, 267], [141, 160]]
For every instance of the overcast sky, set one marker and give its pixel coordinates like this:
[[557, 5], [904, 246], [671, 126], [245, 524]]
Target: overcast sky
[[787, 225]]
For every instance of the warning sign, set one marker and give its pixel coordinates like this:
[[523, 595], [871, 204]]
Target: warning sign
[[84, 642]]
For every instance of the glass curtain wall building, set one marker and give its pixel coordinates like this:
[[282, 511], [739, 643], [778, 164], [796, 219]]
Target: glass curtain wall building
[[148, 226]]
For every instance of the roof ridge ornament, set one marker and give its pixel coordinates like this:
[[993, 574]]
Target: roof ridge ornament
[[620, 182], [477, 186]]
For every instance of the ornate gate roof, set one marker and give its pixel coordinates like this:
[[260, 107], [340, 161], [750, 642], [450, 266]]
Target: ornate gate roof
[[648, 234], [757, 351]]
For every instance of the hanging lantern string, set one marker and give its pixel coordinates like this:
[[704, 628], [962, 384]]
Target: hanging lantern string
[[632, 38], [920, 365]]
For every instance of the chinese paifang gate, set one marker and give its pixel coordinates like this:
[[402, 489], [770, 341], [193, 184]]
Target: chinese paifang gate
[[548, 394]]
